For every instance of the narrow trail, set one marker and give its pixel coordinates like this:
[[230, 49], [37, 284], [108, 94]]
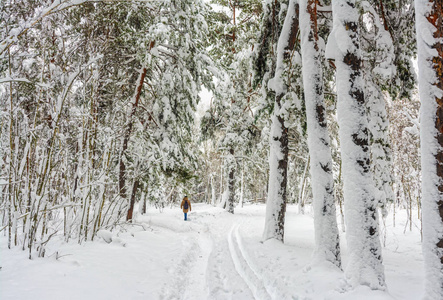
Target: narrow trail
[[179, 273], [215, 264], [197, 287], [188, 274], [222, 278], [205, 269]]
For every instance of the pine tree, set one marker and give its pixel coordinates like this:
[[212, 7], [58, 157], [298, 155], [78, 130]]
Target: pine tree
[[234, 29], [326, 231], [104, 105], [278, 138], [365, 260], [397, 18], [378, 54], [429, 16]]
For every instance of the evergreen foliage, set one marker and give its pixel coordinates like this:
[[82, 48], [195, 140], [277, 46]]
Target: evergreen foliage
[[101, 110]]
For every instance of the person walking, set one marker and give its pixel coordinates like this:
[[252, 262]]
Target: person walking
[[186, 205]]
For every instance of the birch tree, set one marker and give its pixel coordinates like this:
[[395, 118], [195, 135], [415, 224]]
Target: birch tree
[[429, 17]]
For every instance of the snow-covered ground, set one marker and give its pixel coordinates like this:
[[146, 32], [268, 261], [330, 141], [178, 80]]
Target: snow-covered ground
[[215, 255]]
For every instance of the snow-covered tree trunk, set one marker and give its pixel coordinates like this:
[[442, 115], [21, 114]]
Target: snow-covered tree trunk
[[214, 196], [325, 222], [221, 186], [276, 198], [365, 260], [278, 170], [278, 138], [128, 131], [381, 155], [242, 184], [231, 164], [429, 16], [379, 70]]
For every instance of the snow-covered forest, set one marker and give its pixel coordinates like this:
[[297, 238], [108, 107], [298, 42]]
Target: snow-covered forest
[[307, 134]]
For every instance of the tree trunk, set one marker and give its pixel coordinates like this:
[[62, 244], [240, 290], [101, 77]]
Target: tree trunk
[[365, 260], [213, 198], [221, 183], [381, 153], [301, 200], [242, 183], [325, 222], [429, 16], [128, 131], [145, 197], [278, 177], [132, 202], [278, 139], [231, 180]]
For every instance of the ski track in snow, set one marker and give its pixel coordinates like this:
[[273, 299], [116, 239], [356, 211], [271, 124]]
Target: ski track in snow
[[244, 267], [222, 278]]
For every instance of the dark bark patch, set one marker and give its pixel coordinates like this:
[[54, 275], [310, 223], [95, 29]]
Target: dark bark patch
[[320, 111], [352, 60], [326, 167], [440, 209], [364, 164], [351, 26], [360, 139], [359, 96], [324, 142], [293, 35]]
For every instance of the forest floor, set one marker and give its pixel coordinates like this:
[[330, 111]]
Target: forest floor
[[214, 255]]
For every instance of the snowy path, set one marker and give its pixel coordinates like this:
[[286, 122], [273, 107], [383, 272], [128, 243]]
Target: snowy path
[[215, 255], [244, 267], [210, 267]]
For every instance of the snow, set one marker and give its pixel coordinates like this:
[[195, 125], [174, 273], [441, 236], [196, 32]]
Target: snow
[[365, 265], [10, 79], [275, 195], [318, 141], [430, 149], [277, 84], [215, 255], [275, 211]]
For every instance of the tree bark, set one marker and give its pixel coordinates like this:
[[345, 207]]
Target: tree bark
[[132, 202], [325, 221], [128, 131], [365, 260], [278, 178], [278, 140], [429, 16], [231, 180]]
